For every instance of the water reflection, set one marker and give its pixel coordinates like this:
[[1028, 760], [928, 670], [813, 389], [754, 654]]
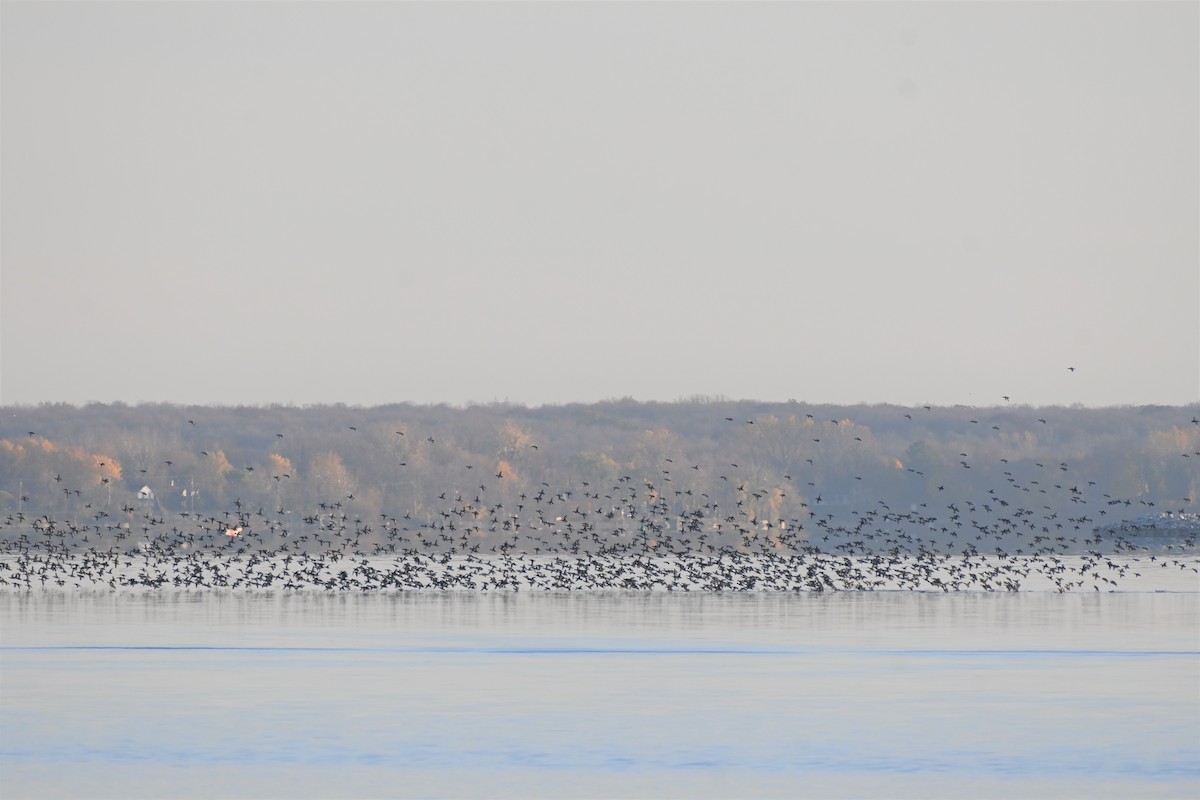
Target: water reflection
[[599, 694]]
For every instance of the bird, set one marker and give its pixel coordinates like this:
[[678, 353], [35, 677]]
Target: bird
[[665, 533]]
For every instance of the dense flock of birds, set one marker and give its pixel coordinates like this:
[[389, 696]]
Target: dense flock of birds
[[630, 535]]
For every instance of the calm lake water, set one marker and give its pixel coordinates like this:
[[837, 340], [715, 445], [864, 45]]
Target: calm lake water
[[600, 694]]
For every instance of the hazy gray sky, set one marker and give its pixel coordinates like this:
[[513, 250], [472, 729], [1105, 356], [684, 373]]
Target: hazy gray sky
[[247, 203]]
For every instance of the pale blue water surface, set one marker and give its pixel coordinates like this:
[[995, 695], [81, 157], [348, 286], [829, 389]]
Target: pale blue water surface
[[599, 694]]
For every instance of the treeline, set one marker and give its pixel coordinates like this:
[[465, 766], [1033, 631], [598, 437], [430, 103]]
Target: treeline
[[769, 460]]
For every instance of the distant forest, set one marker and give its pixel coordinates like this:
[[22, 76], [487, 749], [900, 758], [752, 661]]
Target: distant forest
[[749, 463]]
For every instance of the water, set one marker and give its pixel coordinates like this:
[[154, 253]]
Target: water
[[600, 694]]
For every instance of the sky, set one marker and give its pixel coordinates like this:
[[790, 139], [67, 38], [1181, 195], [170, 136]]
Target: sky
[[544, 203]]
